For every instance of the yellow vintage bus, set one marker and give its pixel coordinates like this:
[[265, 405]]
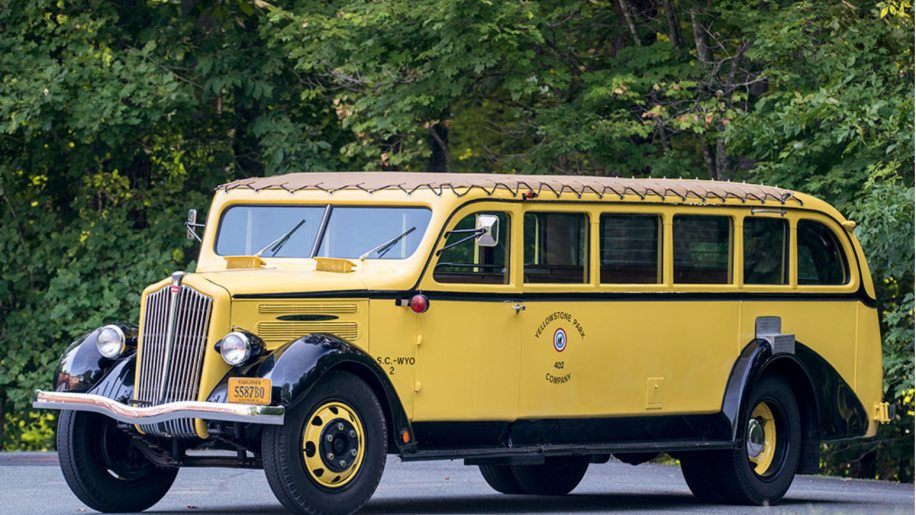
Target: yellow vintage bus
[[528, 325]]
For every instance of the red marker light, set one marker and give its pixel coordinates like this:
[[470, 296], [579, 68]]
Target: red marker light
[[419, 303]]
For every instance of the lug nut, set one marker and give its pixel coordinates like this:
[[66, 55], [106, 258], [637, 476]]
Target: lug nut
[[330, 455], [329, 438], [342, 463], [340, 426], [352, 452], [352, 434]]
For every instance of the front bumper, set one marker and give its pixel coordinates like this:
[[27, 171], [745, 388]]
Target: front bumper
[[253, 414]]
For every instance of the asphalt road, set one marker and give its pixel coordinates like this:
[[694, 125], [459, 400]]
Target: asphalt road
[[32, 483]]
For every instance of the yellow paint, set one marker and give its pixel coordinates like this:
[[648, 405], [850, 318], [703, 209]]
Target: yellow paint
[[869, 383], [341, 266], [881, 412], [480, 359], [325, 415], [235, 262], [260, 316], [764, 460], [654, 392]]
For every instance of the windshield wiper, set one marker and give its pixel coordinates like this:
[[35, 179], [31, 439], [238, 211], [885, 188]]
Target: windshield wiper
[[388, 245], [278, 243]]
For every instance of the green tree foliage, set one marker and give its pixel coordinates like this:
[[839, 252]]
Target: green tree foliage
[[116, 117]]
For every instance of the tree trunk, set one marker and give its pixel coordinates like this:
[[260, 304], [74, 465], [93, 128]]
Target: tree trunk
[[674, 24], [699, 37], [439, 158], [662, 135], [709, 159], [628, 17], [722, 162]]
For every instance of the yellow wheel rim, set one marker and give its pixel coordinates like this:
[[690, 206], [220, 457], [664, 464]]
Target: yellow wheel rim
[[761, 438], [333, 444]]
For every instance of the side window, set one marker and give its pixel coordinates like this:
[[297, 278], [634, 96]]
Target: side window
[[820, 256], [766, 251], [556, 248], [702, 249], [467, 262], [631, 249]]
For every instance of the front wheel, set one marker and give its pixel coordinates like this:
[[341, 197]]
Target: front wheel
[[104, 469], [329, 454]]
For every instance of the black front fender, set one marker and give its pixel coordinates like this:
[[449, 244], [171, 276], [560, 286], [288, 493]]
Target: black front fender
[[297, 366], [81, 366]]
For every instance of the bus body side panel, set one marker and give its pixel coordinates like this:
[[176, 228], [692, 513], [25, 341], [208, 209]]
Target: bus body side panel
[[869, 384], [827, 327], [394, 345], [626, 358]]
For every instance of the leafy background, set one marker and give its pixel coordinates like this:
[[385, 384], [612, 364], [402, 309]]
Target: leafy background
[[116, 117]]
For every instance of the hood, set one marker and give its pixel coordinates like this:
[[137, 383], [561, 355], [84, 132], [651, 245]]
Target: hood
[[266, 280]]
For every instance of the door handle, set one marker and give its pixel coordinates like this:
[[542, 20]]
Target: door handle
[[518, 307]]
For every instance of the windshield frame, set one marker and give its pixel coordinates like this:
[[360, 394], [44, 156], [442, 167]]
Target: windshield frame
[[322, 229]]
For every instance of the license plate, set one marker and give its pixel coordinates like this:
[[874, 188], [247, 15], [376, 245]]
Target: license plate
[[249, 390]]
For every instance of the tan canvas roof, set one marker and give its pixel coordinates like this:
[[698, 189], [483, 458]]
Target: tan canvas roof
[[461, 184]]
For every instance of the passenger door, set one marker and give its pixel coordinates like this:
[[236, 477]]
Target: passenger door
[[467, 355], [561, 334]]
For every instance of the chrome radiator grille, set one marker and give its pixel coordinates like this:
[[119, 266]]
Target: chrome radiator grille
[[171, 357]]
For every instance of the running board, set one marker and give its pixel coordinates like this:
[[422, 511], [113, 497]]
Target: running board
[[489, 453]]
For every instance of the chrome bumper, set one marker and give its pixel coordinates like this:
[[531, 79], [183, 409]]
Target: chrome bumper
[[272, 415]]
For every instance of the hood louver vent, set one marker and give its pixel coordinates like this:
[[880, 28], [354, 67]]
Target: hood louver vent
[[295, 320]]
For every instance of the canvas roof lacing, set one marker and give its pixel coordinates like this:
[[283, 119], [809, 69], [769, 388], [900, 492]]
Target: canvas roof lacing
[[461, 185]]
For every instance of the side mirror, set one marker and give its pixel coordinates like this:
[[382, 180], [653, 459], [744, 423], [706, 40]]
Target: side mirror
[[191, 225], [488, 230]]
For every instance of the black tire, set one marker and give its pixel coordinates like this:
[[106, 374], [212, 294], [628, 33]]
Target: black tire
[[730, 476], [285, 459], [745, 486], [102, 467], [701, 476], [556, 476], [501, 478]]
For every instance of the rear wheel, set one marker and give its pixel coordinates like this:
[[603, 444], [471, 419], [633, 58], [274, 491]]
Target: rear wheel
[[764, 465], [556, 476], [104, 469], [501, 478], [329, 454], [701, 475], [761, 469]]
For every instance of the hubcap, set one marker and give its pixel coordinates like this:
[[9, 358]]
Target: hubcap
[[333, 442], [755, 438], [761, 438]]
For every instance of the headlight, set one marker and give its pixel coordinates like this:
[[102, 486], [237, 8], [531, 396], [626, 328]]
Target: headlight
[[111, 341], [235, 348]]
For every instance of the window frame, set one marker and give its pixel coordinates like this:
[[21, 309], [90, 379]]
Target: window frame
[[732, 282], [660, 244], [850, 258], [591, 250], [429, 282], [328, 209], [505, 231], [790, 258]]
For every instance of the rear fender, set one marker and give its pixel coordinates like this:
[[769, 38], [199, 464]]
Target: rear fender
[[839, 412]]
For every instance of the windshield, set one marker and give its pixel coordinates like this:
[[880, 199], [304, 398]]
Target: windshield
[[344, 231]]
